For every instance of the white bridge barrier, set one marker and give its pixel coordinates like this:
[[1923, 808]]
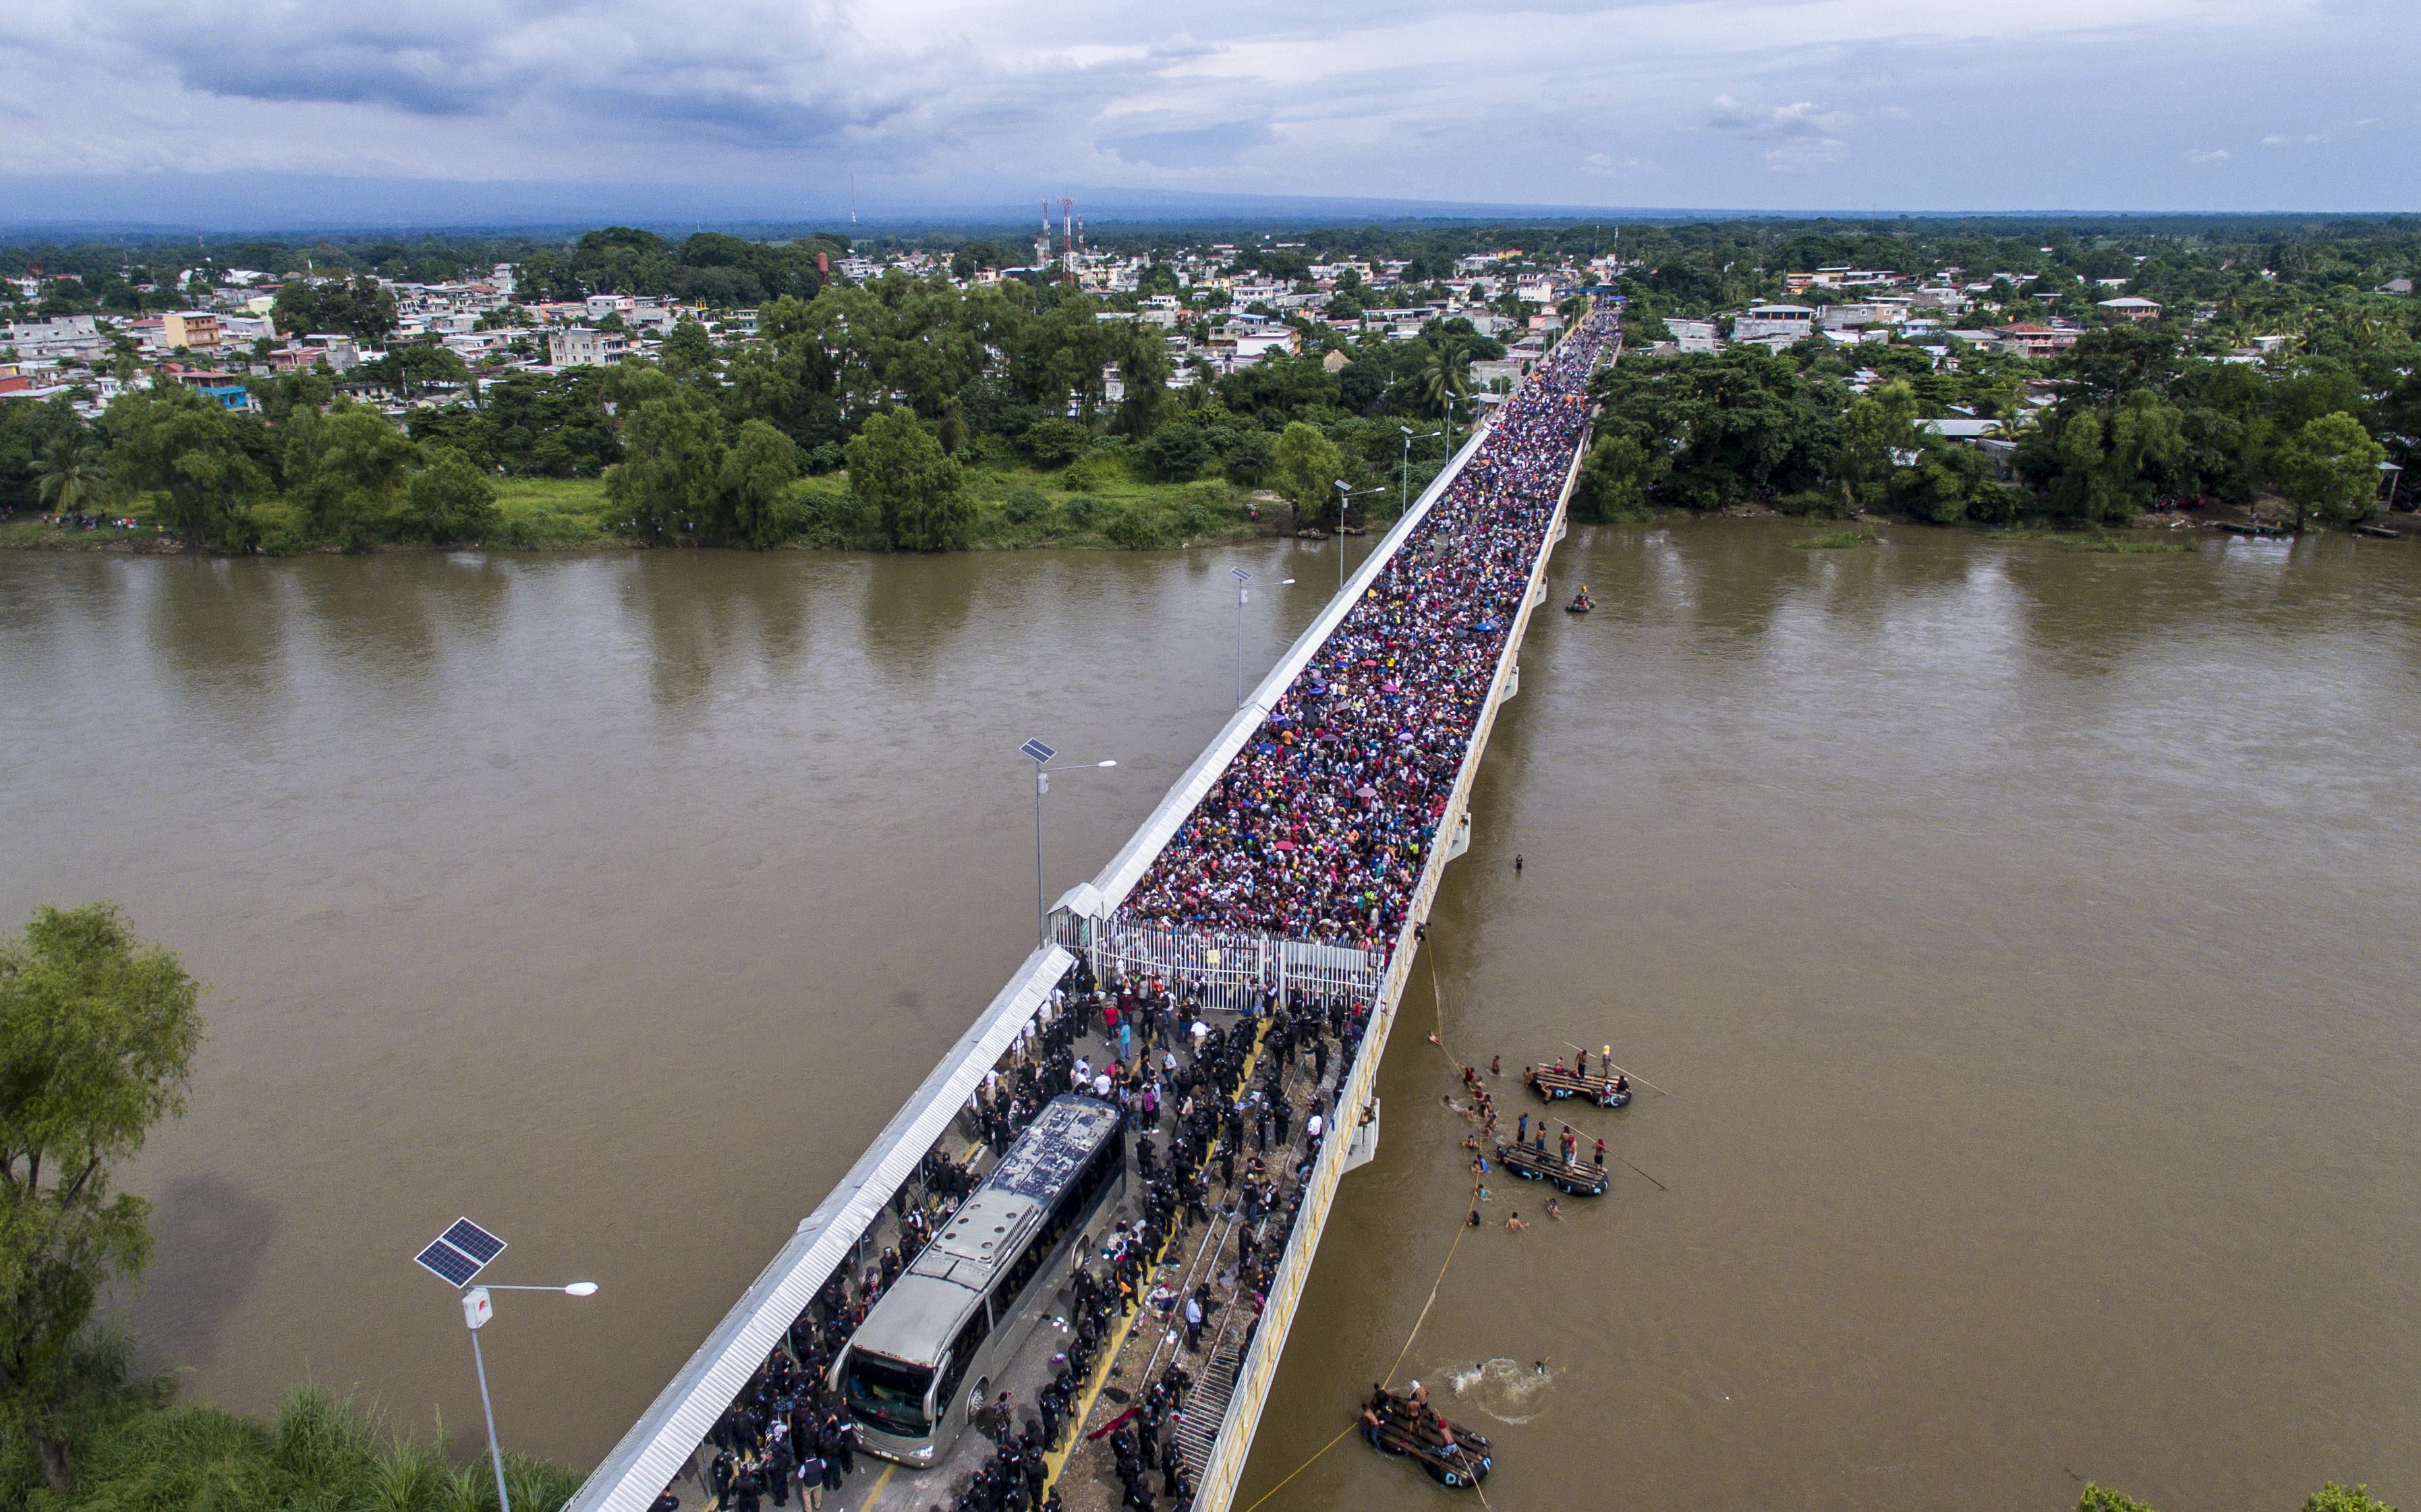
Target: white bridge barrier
[[1224, 969]]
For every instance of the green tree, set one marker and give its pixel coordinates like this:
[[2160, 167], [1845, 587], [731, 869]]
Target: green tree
[[413, 368], [1054, 441], [757, 473], [358, 462], [1878, 429], [2336, 1498], [71, 476], [193, 454], [98, 1032], [688, 352], [2330, 467], [897, 464], [672, 464], [1615, 479], [1307, 466], [1949, 484], [1174, 454], [1446, 377], [450, 500]]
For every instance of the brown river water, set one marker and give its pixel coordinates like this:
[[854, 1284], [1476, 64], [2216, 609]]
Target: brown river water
[[2025, 940]]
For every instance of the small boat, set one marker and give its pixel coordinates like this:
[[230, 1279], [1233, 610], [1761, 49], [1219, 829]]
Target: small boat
[[1311, 532], [1450, 1454], [1581, 604], [1532, 1164], [1553, 1083]]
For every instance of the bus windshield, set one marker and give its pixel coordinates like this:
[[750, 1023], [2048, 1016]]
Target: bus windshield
[[887, 1393]]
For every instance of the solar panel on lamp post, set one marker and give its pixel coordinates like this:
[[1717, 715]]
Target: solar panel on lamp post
[[456, 1258], [1041, 754]]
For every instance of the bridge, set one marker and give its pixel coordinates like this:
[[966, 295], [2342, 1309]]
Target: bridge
[[1292, 868]]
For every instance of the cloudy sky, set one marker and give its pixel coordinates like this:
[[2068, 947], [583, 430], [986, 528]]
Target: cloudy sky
[[753, 105]]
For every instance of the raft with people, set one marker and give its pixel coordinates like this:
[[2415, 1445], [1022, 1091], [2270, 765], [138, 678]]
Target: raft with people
[[1581, 604], [1557, 1082], [1405, 1424], [1531, 1163]]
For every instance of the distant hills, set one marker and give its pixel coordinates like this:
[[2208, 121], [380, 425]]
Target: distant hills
[[156, 204]]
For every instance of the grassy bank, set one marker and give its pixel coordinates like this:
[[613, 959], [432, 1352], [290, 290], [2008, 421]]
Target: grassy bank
[[147, 1453], [2092, 541], [1097, 505]]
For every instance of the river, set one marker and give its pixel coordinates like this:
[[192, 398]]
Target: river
[[2020, 937]]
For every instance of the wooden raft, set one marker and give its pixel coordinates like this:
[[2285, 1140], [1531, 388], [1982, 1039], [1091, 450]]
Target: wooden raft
[[1553, 1084], [1406, 1429], [1533, 1164]]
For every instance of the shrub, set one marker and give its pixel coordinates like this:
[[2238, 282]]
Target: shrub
[[834, 517], [1139, 527], [1251, 458], [1812, 502], [1197, 516], [1055, 442], [1082, 511], [1174, 454], [1024, 506]]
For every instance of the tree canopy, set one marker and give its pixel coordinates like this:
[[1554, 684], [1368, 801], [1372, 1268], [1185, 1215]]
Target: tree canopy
[[98, 1032]]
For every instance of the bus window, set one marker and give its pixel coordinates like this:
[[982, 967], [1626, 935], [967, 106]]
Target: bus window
[[888, 1395]]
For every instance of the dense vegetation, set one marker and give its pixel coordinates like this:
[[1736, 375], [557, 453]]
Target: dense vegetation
[[2136, 422], [2137, 416], [2330, 1498], [1023, 406], [991, 390]]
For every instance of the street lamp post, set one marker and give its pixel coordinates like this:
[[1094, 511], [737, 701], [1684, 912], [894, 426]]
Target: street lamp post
[[1242, 579], [1040, 756], [1405, 502], [1344, 496], [457, 1256]]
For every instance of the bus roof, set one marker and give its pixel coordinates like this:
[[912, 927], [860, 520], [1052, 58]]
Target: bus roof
[[916, 1319], [1054, 1148]]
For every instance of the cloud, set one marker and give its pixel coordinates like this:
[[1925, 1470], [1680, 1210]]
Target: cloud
[[2328, 134], [2198, 155], [1196, 146], [925, 101], [1807, 135]]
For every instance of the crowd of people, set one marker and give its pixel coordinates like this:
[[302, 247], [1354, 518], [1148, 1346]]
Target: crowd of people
[[1199, 1108], [1319, 828]]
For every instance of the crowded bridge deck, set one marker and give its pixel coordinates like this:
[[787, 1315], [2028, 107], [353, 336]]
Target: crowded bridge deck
[[1226, 982]]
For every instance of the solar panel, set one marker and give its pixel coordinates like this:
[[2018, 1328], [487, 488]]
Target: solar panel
[[460, 1252], [473, 1241], [1038, 751], [1239, 574], [447, 1263]]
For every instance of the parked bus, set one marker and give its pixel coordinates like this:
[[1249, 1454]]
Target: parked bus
[[932, 1347]]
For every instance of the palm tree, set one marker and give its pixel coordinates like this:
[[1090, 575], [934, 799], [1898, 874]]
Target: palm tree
[[1445, 377], [69, 477]]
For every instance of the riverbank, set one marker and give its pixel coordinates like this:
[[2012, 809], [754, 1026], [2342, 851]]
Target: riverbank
[[149, 1449], [1016, 510]]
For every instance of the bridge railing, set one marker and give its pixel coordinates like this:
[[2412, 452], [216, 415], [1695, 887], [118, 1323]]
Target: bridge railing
[[1224, 967]]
